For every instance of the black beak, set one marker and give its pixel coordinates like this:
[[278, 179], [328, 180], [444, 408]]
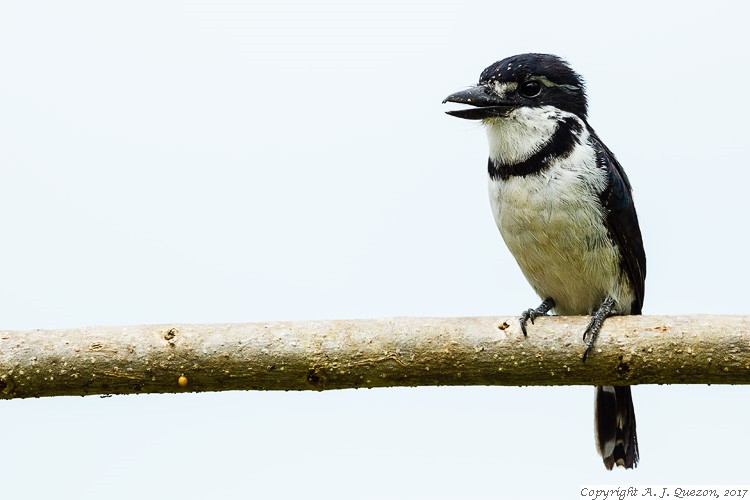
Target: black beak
[[487, 104]]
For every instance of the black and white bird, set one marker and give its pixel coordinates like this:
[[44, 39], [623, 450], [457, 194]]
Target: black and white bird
[[565, 209]]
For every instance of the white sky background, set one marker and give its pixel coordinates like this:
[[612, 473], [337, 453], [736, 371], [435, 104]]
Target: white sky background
[[166, 162]]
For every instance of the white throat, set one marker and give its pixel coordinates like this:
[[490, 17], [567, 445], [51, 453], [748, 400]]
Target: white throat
[[522, 133]]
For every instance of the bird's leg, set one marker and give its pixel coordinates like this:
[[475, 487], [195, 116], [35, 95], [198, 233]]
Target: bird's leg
[[597, 320], [531, 314]]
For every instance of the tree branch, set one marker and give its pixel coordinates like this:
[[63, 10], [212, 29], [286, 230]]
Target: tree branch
[[321, 355]]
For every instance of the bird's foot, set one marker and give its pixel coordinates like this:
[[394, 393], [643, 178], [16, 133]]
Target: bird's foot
[[595, 325], [531, 314]]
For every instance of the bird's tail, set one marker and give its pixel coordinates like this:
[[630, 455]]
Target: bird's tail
[[615, 427]]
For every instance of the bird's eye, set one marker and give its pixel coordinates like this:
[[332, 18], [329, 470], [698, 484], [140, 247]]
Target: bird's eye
[[532, 88]]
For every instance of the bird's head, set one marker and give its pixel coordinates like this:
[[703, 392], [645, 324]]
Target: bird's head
[[522, 81]]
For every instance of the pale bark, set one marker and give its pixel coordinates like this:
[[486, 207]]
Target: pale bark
[[339, 354]]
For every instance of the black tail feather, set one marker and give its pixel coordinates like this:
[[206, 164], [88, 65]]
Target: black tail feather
[[615, 427]]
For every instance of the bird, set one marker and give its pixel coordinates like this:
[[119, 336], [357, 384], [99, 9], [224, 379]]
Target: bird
[[564, 207]]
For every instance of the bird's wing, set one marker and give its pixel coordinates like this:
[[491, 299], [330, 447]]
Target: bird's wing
[[622, 221]]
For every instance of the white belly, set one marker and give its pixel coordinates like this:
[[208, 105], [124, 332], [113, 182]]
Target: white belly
[[553, 225]]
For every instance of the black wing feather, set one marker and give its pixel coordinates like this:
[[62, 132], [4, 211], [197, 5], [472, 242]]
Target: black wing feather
[[615, 417], [622, 221]]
